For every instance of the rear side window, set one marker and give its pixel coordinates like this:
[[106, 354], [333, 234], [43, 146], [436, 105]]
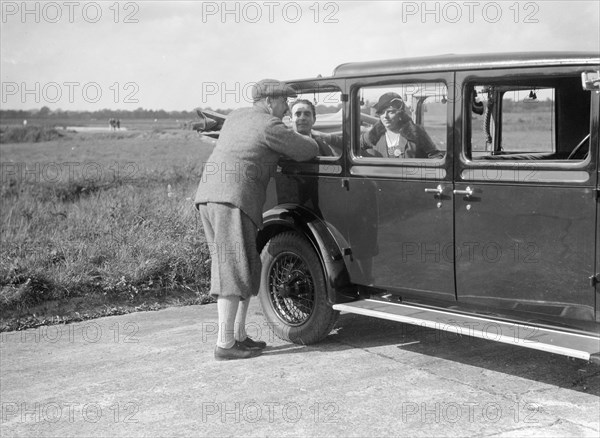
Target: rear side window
[[545, 119]]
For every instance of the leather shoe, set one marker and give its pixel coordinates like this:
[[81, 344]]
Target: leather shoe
[[252, 344], [238, 351]]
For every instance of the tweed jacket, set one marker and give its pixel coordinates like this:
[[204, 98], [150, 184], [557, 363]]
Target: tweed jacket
[[414, 142], [250, 144]]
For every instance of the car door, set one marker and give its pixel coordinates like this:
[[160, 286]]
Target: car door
[[525, 199], [400, 213]]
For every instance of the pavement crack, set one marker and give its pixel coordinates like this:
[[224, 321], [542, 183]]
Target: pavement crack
[[522, 428]]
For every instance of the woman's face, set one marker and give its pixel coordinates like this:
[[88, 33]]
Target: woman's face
[[391, 118]]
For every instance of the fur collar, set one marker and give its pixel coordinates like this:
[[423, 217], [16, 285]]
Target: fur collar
[[408, 131]]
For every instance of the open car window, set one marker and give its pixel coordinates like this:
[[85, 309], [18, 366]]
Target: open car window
[[327, 129], [544, 119]]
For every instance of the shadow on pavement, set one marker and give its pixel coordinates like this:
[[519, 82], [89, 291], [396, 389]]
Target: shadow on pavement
[[361, 332]]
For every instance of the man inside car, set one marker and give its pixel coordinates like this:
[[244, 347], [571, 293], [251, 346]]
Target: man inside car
[[303, 118]]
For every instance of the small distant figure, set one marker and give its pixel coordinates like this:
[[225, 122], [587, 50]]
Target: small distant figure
[[114, 124], [24, 122]]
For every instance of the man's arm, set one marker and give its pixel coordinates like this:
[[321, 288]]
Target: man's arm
[[289, 143], [330, 145]]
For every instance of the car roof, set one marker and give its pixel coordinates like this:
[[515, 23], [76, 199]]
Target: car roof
[[464, 62]]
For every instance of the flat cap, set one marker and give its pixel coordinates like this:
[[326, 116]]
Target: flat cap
[[271, 88]]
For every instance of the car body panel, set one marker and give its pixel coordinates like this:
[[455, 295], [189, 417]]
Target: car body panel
[[522, 246], [529, 226]]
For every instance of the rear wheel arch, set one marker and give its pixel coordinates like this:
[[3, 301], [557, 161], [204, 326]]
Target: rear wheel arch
[[303, 221]]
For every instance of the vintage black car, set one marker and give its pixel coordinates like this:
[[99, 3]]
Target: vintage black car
[[496, 236]]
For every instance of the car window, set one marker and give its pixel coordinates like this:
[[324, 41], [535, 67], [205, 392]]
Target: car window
[[326, 127], [545, 119], [405, 121]]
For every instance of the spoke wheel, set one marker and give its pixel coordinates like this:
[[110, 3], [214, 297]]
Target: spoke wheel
[[293, 290]]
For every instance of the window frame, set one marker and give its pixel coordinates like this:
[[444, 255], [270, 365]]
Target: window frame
[[517, 171], [444, 77], [312, 87]]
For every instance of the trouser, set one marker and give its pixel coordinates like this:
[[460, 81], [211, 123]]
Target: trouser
[[235, 261]]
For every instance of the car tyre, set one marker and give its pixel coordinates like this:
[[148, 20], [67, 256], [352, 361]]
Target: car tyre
[[293, 291]]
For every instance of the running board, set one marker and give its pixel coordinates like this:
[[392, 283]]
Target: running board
[[581, 346]]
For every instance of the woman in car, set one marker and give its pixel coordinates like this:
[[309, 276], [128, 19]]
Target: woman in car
[[395, 135]]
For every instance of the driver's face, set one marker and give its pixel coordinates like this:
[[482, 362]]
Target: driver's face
[[302, 118]]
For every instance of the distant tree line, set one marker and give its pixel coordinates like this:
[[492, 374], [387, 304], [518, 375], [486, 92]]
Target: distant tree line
[[527, 106], [139, 113]]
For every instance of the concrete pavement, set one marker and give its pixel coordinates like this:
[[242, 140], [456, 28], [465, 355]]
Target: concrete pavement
[[153, 374]]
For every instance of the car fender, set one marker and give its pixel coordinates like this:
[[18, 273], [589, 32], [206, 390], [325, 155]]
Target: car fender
[[287, 217]]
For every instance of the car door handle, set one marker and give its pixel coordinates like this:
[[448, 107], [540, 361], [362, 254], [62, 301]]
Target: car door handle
[[438, 190], [467, 192]]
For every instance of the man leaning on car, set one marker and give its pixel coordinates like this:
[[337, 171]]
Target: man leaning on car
[[230, 198]]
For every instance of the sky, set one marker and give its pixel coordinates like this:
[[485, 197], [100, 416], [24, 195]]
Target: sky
[[175, 56]]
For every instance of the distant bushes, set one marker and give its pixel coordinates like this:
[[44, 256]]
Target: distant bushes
[[29, 134]]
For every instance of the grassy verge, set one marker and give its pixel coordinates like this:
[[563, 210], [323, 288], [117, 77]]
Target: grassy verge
[[100, 225], [29, 134]]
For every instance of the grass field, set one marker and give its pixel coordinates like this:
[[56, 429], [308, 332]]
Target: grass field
[[98, 224]]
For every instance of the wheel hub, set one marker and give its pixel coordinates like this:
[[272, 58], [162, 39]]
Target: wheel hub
[[292, 288], [295, 286]]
